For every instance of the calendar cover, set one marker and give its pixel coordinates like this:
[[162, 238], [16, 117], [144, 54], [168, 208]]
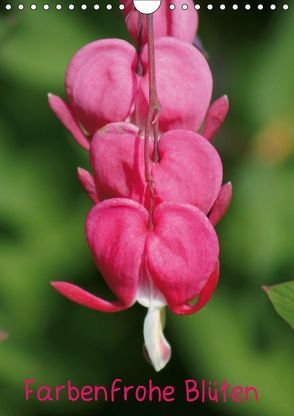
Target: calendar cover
[[146, 208]]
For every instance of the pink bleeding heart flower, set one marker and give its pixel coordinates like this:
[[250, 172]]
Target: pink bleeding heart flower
[[170, 265], [189, 169], [178, 23], [184, 85], [102, 86], [216, 213]]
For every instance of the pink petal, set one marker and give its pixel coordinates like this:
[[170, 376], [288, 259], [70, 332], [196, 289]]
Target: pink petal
[[183, 24], [84, 298], [116, 232], [118, 164], [101, 83], [189, 170], [204, 296], [121, 127], [184, 85], [178, 23], [157, 347], [178, 256], [148, 294], [88, 183], [216, 116], [65, 115], [181, 252], [221, 204]]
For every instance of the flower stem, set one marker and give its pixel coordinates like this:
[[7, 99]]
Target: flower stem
[[139, 69], [152, 118]]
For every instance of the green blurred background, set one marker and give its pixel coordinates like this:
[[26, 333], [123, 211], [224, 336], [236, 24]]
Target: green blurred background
[[238, 336]]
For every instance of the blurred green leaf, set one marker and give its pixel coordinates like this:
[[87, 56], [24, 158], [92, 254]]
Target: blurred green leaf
[[265, 82], [257, 233], [24, 57], [3, 335], [217, 343], [42, 212], [282, 297]]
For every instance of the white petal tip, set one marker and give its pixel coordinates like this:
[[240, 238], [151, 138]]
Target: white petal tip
[[157, 347]]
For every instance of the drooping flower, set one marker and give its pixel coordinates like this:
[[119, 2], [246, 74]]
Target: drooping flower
[[170, 265], [216, 213], [189, 169], [102, 86], [151, 230], [178, 23], [184, 85]]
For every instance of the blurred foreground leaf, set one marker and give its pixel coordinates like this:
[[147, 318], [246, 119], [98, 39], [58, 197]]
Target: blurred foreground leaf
[[282, 297]]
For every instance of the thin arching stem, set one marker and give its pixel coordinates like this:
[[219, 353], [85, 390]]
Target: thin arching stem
[[154, 104], [152, 118], [139, 69]]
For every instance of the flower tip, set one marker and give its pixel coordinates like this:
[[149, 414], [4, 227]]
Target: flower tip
[[223, 103], [221, 204], [229, 187], [55, 284], [88, 183], [50, 96], [64, 114], [59, 286], [157, 348], [161, 364], [226, 101], [215, 116], [53, 101]]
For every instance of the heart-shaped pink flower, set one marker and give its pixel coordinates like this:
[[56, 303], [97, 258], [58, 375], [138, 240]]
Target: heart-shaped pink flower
[[102, 86], [157, 199], [184, 85], [171, 264], [178, 23], [189, 168]]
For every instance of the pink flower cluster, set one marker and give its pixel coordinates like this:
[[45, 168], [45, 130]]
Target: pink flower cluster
[[153, 242]]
